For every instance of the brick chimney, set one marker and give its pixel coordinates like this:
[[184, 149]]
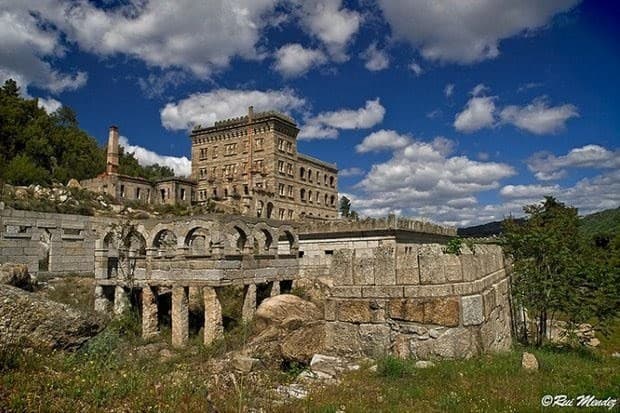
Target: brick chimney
[[250, 114], [112, 158]]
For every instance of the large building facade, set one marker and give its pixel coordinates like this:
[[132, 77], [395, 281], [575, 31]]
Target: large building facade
[[249, 163], [252, 161]]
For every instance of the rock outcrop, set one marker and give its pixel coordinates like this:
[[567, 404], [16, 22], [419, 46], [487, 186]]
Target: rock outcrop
[[17, 275], [288, 328], [28, 320]]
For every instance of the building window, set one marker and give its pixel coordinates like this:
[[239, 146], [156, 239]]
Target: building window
[[258, 144], [281, 212], [229, 169], [138, 193], [326, 197], [302, 173], [225, 192], [309, 175], [289, 147], [183, 194], [214, 152], [281, 144], [163, 195], [122, 191], [289, 169], [318, 198], [281, 167], [290, 191], [302, 194], [310, 196], [318, 178], [246, 190], [258, 165], [215, 192], [325, 180], [230, 149], [333, 200], [290, 214], [331, 181], [281, 189]]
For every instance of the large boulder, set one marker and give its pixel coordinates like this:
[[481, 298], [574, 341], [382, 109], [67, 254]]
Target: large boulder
[[288, 328], [17, 275], [29, 320]]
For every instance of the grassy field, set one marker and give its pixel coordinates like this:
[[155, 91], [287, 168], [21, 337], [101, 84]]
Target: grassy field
[[116, 373]]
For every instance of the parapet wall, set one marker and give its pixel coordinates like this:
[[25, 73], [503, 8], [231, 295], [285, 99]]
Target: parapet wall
[[391, 222], [45, 242], [418, 301]]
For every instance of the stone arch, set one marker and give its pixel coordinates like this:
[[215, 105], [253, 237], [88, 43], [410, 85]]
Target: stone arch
[[135, 242], [264, 239], [198, 241], [288, 241], [165, 241], [239, 238]]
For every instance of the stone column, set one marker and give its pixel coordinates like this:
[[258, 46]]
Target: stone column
[[149, 312], [213, 316], [180, 316], [249, 303], [275, 288], [101, 260], [102, 303], [121, 301]]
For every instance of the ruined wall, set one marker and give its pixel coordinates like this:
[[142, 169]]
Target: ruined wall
[[55, 243], [414, 300]]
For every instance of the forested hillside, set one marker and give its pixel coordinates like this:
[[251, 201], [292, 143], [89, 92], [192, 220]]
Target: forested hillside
[[41, 148]]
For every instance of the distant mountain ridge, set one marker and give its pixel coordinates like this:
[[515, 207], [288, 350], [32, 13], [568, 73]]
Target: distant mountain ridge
[[603, 222]]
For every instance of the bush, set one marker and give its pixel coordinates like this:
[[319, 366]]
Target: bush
[[393, 367]]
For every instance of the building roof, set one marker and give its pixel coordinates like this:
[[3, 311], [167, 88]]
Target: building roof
[[243, 121], [317, 161]]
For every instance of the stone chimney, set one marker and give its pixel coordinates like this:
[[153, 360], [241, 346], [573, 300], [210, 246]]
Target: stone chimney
[[250, 114], [112, 159]]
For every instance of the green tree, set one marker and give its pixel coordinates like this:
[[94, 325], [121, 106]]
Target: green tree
[[555, 272], [345, 206]]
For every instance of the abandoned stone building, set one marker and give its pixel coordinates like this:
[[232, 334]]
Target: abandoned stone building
[[253, 160], [250, 162], [173, 190]]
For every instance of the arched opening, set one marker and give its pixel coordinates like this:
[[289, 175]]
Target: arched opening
[[269, 209], [110, 243], [45, 244], [263, 240], [165, 242], [132, 254], [302, 172], [197, 241], [302, 194], [332, 200], [286, 242], [331, 181], [241, 240], [259, 208]]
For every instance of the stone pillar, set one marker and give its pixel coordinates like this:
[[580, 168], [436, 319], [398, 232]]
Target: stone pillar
[[121, 301], [213, 316], [102, 303], [249, 303], [275, 288], [180, 316], [149, 312], [101, 260]]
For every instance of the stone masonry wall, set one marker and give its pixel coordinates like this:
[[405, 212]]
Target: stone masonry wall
[[55, 243], [414, 300]]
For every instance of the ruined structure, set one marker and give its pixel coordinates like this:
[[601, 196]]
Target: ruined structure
[[393, 289], [253, 160], [250, 162], [173, 190]]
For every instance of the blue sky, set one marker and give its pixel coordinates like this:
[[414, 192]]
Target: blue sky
[[455, 111]]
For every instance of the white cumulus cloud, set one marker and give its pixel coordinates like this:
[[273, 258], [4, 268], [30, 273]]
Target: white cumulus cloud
[[464, 31], [180, 165], [50, 105], [376, 59], [294, 60], [219, 104], [547, 166], [538, 117], [383, 140], [478, 113]]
